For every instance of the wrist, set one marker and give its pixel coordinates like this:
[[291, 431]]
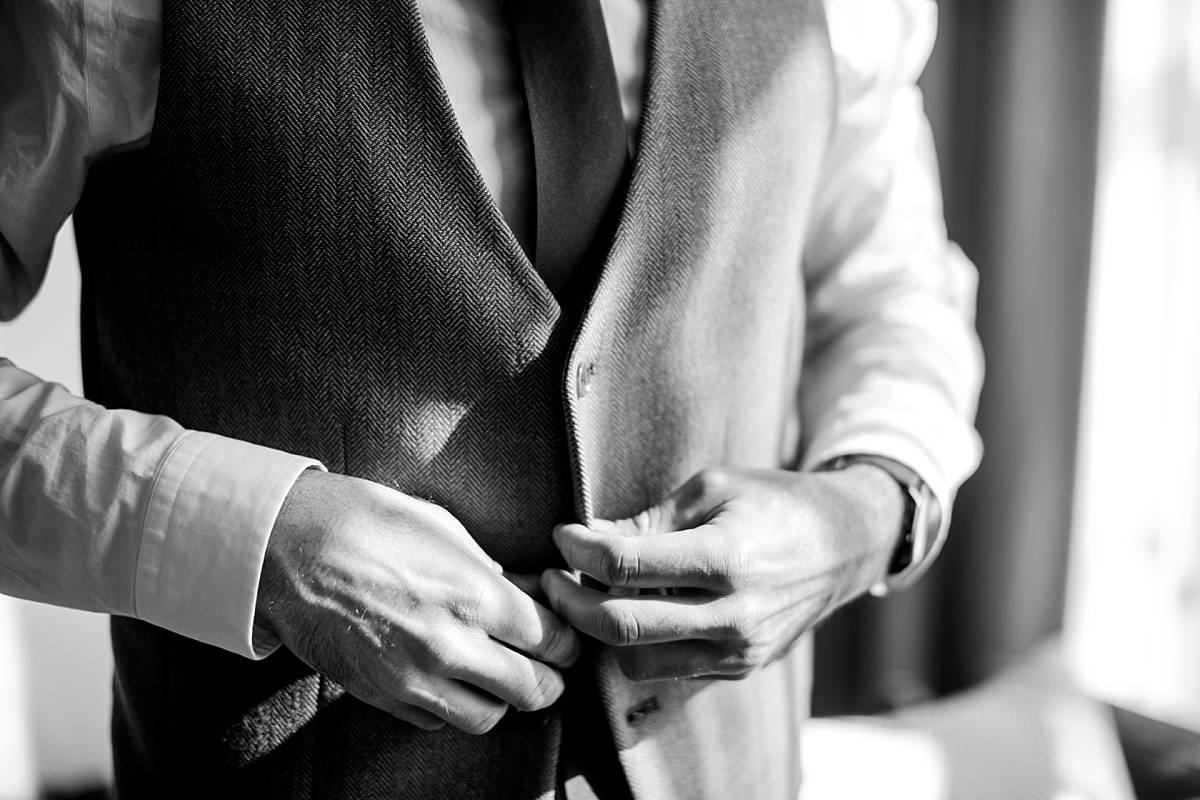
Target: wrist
[[879, 501], [920, 534], [274, 580], [870, 507]]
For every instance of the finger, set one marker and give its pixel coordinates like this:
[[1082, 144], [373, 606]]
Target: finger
[[683, 660], [519, 681], [695, 558], [462, 706], [525, 624], [644, 619], [416, 716], [529, 584]]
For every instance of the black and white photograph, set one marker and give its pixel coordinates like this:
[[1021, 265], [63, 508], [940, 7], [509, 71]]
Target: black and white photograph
[[600, 399]]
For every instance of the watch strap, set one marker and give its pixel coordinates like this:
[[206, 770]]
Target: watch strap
[[919, 539]]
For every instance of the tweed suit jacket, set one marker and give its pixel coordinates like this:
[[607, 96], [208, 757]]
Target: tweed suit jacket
[[327, 275]]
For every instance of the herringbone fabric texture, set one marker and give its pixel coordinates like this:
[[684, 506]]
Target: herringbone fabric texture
[[328, 277], [307, 258]]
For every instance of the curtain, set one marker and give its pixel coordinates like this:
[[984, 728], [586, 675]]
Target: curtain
[[1012, 91]]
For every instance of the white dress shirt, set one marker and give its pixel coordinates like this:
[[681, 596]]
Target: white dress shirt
[[130, 514]]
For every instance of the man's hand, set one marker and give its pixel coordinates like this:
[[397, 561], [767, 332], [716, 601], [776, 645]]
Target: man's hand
[[752, 560], [390, 596]]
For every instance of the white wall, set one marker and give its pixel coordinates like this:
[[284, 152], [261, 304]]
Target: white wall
[[55, 664], [16, 744]]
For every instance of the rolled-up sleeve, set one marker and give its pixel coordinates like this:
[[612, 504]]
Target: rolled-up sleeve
[[130, 514], [100, 509], [892, 366]]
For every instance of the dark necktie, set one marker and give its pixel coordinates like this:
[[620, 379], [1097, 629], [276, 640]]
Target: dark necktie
[[580, 155], [579, 140]]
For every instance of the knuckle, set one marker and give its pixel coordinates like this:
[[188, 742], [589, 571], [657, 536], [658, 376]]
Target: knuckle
[[749, 658], [732, 560], [618, 563], [550, 641], [543, 691], [484, 721], [740, 624], [712, 481], [528, 692], [470, 603], [528, 698], [555, 643], [442, 709], [618, 626]]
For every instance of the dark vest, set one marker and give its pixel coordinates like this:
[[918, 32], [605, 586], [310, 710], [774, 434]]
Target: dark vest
[[306, 257]]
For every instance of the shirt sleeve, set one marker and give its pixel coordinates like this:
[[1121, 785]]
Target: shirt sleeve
[[892, 365], [108, 510], [78, 80]]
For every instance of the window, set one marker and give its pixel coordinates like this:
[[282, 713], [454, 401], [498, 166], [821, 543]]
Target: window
[[1133, 607]]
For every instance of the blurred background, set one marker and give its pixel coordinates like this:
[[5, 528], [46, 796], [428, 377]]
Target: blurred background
[[1068, 133]]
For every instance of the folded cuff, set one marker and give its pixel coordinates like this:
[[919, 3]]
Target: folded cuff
[[210, 514], [876, 437]]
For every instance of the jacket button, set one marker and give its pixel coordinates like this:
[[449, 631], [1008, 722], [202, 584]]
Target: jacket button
[[641, 711], [585, 379]]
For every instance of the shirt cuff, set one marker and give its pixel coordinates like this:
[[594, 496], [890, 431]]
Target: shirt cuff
[[890, 442], [211, 510]]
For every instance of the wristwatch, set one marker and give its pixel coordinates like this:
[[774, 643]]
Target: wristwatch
[[921, 535]]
